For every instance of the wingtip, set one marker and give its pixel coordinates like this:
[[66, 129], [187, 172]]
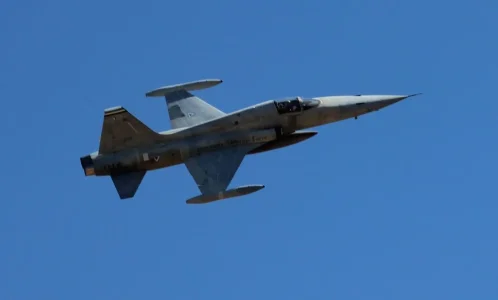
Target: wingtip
[[188, 86]]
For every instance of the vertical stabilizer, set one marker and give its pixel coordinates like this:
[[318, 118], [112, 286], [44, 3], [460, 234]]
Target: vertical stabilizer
[[122, 130]]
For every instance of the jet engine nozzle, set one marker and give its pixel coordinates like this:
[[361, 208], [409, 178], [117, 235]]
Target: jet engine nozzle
[[87, 165]]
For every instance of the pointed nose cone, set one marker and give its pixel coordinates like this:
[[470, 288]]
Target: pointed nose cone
[[391, 99]]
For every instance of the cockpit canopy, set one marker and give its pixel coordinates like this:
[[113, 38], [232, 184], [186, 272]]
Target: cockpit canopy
[[295, 105]]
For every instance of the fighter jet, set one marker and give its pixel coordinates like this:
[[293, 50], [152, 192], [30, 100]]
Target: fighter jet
[[211, 143]]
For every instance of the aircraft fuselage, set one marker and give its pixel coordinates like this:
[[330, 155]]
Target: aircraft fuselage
[[268, 125]]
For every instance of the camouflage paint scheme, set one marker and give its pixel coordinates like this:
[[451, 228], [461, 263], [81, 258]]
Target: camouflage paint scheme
[[211, 143]]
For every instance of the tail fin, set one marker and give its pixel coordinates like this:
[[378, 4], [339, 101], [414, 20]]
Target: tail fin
[[185, 109], [122, 130]]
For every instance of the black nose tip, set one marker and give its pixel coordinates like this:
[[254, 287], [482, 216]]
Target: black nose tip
[[413, 95]]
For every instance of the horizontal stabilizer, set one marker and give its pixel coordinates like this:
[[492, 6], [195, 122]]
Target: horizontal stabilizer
[[127, 184], [235, 192], [187, 86]]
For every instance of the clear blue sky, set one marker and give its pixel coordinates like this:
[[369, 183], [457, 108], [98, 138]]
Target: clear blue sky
[[399, 204]]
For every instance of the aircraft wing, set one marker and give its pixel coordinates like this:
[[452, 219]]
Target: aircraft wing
[[214, 171], [185, 109]]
